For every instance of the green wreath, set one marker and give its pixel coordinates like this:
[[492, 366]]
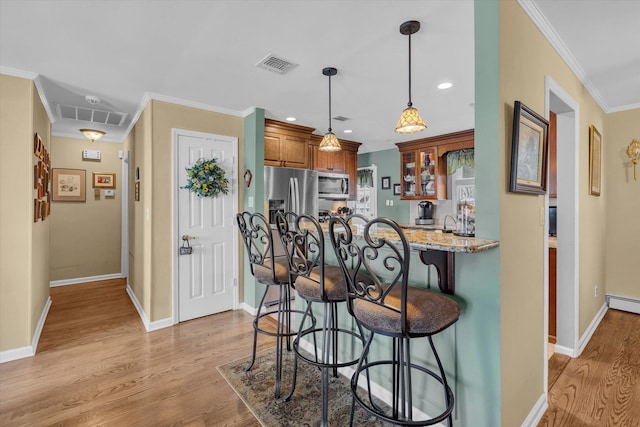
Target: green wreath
[[206, 179]]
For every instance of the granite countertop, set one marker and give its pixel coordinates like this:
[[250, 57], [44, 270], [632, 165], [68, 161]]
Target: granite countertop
[[421, 239]]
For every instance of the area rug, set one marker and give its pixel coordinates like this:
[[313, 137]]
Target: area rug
[[256, 389]]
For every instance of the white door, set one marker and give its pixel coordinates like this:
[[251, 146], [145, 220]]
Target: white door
[[206, 277]]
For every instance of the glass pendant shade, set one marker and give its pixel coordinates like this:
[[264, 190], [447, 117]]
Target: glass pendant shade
[[329, 143], [92, 134], [410, 121]]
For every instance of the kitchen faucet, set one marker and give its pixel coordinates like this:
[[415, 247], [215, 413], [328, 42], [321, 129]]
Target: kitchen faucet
[[455, 223]]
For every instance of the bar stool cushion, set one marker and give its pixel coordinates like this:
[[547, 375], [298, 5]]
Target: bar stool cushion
[[262, 273], [427, 312], [334, 285]]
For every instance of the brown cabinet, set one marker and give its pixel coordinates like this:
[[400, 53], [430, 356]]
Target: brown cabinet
[[286, 145], [423, 164], [552, 295], [345, 160]]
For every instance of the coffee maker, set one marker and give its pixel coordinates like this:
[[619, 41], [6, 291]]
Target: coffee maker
[[425, 213]]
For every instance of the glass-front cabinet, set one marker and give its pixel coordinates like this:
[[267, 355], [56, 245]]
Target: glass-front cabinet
[[419, 173], [423, 164]]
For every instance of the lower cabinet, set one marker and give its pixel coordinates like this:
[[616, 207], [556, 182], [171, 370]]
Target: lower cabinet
[[552, 295]]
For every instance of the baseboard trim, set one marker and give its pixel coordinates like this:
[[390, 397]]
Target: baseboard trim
[[619, 302], [30, 350], [584, 340], [149, 326], [537, 412], [77, 280], [246, 307], [564, 350]]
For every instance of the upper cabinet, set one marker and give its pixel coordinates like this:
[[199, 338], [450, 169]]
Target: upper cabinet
[[286, 145], [423, 164], [345, 160], [294, 146]]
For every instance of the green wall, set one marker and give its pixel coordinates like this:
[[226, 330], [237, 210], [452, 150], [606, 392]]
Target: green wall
[[388, 164], [253, 157]]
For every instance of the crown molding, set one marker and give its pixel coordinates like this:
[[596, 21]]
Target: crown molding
[[538, 18], [18, 73]]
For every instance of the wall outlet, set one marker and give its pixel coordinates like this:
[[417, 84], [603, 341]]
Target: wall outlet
[[596, 291], [390, 202]]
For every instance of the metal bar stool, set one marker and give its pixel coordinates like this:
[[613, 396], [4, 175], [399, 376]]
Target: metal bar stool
[[317, 283], [392, 308], [270, 270]]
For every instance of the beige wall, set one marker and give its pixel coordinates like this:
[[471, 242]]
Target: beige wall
[[526, 57], [24, 282], [42, 229], [86, 236], [623, 205], [154, 137]]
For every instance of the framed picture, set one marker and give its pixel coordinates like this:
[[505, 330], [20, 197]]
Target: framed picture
[[69, 185], [104, 180], [529, 146], [595, 160], [386, 182], [396, 189], [38, 146]]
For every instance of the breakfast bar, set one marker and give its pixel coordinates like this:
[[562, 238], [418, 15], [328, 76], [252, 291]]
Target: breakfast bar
[[438, 249]]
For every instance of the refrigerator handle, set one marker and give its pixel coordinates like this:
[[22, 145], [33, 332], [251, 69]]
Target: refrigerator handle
[[294, 195]]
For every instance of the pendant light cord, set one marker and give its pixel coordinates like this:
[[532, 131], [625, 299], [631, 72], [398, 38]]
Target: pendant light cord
[[410, 103], [329, 102]]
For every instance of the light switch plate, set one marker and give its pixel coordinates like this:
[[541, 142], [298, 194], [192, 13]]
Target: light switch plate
[[109, 193]]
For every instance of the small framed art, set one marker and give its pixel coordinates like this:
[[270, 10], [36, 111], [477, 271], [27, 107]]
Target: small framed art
[[386, 182], [528, 151], [595, 160], [69, 185], [104, 180]]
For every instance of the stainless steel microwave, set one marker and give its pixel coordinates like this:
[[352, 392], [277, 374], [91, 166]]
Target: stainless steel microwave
[[333, 186]]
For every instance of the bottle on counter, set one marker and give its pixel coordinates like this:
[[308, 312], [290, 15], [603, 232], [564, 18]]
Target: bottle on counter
[[466, 218]]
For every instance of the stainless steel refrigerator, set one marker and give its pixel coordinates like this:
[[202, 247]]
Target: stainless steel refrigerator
[[290, 190]]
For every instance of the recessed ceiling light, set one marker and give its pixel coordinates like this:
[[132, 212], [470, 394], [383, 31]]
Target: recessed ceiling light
[[348, 131], [445, 85], [291, 119]]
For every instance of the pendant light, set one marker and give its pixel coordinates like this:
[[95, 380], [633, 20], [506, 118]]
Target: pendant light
[[410, 120], [92, 134], [329, 142]]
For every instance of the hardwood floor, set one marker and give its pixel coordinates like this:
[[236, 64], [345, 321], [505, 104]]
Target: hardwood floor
[[96, 365], [602, 386]]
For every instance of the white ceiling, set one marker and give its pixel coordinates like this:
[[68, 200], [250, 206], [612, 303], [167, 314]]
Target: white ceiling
[[203, 53]]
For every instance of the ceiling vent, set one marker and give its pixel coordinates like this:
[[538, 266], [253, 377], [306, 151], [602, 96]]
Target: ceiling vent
[[275, 64], [341, 118], [91, 115]]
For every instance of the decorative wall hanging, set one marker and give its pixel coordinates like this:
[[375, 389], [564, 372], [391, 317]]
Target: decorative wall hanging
[[69, 185], [595, 160], [528, 151], [104, 180], [206, 179]]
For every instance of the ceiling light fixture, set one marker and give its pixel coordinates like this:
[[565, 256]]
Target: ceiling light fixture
[[445, 85], [410, 120], [291, 119], [330, 141], [92, 134]]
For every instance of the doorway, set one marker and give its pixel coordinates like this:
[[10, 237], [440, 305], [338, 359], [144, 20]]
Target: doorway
[[205, 280], [567, 267]]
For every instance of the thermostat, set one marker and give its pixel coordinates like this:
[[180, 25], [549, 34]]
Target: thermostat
[[91, 154]]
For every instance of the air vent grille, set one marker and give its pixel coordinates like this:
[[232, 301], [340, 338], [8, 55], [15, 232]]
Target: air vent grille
[[91, 115], [341, 118], [275, 64]]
